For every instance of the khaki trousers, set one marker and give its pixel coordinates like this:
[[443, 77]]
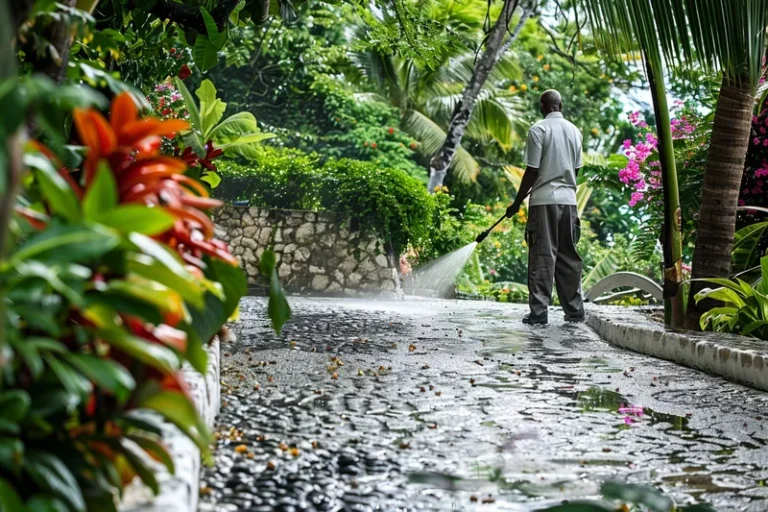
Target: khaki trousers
[[552, 233]]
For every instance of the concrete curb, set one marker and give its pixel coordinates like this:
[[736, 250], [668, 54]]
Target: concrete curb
[[736, 358], [180, 492]]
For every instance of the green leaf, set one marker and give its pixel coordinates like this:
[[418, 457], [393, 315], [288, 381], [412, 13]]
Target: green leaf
[[52, 402], [152, 354], [246, 139], [176, 408], [14, 405], [211, 178], [185, 284], [210, 24], [205, 53], [195, 354], [583, 193], [11, 455], [580, 507], [30, 357], [72, 381], [604, 268], [126, 305], [51, 474], [235, 127], [233, 282], [211, 108], [189, 104], [142, 421], [726, 295], [763, 284], [101, 195], [205, 323], [159, 297], [67, 243], [57, 193], [47, 504], [146, 474], [9, 498], [278, 309], [29, 351], [138, 218], [637, 495], [155, 449], [752, 327], [109, 375]]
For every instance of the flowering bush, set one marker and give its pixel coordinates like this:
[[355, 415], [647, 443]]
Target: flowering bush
[[641, 175], [754, 187], [167, 102], [643, 170]]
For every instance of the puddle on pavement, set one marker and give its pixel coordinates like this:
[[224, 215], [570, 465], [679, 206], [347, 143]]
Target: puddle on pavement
[[503, 342], [600, 399]]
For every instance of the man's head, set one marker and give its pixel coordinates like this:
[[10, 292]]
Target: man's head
[[551, 102]]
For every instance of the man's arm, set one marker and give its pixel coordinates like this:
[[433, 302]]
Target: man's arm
[[526, 184]]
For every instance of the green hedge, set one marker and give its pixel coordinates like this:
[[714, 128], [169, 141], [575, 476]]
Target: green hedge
[[387, 202]]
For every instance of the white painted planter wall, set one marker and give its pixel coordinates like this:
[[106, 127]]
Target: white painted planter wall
[[180, 492], [736, 358]]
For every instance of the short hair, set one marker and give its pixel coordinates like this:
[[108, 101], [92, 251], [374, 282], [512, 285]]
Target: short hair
[[551, 98]]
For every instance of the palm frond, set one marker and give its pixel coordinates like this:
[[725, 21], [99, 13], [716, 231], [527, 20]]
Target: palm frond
[[728, 36], [493, 119], [583, 193], [431, 136], [746, 246], [514, 175], [602, 269]]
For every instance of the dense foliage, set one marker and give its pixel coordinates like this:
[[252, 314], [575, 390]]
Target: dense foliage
[[109, 289], [384, 201], [744, 305]]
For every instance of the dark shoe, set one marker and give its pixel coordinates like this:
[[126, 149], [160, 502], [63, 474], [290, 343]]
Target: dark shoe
[[574, 319], [534, 320]]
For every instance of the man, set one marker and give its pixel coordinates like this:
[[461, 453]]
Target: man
[[553, 159]]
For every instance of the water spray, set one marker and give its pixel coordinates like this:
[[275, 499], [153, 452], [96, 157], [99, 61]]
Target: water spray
[[482, 236]]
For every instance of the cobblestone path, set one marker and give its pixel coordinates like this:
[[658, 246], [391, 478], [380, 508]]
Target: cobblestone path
[[441, 405]]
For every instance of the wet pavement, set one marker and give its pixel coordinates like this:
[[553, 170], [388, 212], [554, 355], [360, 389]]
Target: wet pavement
[[444, 405]]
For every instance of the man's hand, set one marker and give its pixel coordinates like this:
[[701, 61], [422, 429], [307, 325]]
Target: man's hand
[[513, 209]]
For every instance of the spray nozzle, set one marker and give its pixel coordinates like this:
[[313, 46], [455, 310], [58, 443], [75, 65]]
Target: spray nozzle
[[482, 236]]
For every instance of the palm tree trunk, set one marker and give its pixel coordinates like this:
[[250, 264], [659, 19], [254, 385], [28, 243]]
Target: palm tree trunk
[[722, 181], [10, 149], [438, 165], [671, 236]]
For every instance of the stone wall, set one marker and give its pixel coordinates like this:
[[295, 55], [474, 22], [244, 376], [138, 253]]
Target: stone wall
[[316, 252]]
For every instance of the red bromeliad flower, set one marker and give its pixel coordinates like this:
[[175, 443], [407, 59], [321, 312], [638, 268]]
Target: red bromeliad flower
[[192, 160], [184, 72], [131, 146]]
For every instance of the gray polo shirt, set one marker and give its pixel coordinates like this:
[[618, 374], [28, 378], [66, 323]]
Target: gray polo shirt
[[554, 148]]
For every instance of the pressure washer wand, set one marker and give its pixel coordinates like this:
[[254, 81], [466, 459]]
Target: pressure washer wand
[[482, 236]]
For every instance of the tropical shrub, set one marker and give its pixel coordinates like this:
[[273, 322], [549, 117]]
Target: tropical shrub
[[277, 178], [210, 135], [115, 282], [383, 201], [744, 307], [753, 198], [642, 174]]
